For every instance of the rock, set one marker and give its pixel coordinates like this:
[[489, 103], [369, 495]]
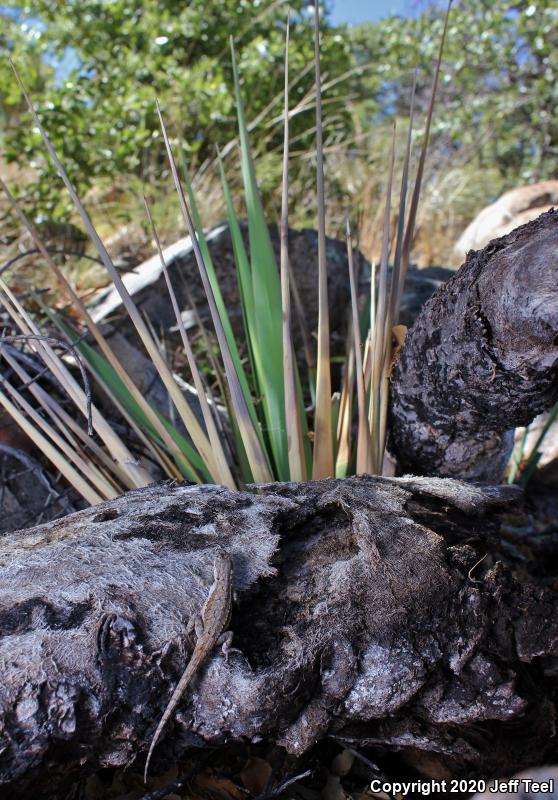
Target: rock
[[512, 209]]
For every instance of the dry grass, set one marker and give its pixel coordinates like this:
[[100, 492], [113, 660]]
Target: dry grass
[[454, 190], [452, 195]]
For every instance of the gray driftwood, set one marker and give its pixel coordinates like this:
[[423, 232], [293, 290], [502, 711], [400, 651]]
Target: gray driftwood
[[481, 358], [387, 612]]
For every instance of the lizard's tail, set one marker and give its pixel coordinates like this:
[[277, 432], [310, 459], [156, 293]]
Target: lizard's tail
[[173, 702]]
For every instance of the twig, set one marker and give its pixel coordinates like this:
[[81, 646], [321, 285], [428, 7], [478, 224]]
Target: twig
[[54, 250], [357, 754], [170, 788], [282, 786], [473, 568], [159, 794], [31, 363], [31, 465], [70, 349]]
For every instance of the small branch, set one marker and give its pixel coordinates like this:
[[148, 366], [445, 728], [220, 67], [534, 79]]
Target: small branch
[[53, 340], [53, 250]]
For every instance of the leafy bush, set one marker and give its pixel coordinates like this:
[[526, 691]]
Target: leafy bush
[[499, 91], [101, 119]]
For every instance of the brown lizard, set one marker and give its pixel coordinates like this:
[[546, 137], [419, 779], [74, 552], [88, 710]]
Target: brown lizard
[[211, 630]]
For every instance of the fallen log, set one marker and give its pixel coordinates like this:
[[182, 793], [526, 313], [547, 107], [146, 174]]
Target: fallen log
[[480, 359], [386, 612]]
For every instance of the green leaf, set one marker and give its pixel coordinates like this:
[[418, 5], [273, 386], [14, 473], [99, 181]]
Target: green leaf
[[223, 314], [192, 462], [266, 330], [243, 269]]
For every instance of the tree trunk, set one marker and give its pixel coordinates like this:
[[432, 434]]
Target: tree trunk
[[400, 613], [481, 358]]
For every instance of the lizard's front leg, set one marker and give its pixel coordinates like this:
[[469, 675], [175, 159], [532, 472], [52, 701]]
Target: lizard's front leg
[[195, 623], [224, 642]]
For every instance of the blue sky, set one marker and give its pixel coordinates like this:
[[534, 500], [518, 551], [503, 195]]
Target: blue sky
[[355, 11]]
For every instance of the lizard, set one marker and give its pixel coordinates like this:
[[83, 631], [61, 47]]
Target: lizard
[[211, 630]]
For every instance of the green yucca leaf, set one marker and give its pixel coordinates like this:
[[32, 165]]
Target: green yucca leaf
[[266, 339], [191, 464], [243, 269], [225, 320], [219, 301], [250, 432], [244, 277], [223, 470]]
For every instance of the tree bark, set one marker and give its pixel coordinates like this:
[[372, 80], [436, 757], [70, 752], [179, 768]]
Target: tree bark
[[481, 358], [388, 612]]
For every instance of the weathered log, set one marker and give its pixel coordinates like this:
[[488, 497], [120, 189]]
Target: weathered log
[[389, 612], [481, 358]]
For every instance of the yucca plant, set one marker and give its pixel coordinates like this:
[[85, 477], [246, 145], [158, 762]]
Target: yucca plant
[[285, 424], [523, 465]]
